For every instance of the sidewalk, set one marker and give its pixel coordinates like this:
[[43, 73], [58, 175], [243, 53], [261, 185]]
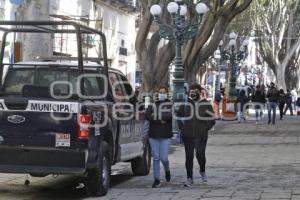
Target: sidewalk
[[245, 161]]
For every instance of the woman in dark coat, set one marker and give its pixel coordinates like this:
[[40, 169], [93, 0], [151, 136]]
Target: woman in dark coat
[[160, 133], [197, 119]]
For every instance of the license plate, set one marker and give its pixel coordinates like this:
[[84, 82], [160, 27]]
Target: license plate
[[62, 140]]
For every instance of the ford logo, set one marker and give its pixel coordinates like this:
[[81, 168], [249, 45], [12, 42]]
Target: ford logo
[[16, 119]]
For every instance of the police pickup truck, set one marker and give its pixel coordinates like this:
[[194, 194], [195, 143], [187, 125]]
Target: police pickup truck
[[54, 120]]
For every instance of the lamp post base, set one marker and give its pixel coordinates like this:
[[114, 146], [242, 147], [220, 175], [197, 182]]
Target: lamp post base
[[229, 109]]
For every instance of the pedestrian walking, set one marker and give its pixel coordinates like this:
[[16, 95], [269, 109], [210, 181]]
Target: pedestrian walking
[[294, 97], [288, 102], [281, 102], [159, 116], [298, 106], [217, 101], [242, 101], [273, 97], [198, 120], [259, 100]]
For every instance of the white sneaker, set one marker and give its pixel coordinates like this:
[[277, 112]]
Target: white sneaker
[[256, 122]]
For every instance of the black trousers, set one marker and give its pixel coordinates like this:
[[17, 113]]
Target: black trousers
[[190, 145], [290, 107], [281, 107]]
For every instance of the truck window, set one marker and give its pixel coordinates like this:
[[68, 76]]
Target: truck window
[[130, 95], [92, 86], [36, 82], [15, 83], [116, 87]]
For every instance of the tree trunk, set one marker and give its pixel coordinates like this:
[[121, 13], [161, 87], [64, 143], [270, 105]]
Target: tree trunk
[[281, 77], [191, 75], [155, 60], [36, 44], [292, 76]]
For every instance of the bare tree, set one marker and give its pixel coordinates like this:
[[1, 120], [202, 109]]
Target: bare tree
[[155, 55], [277, 35], [35, 44]]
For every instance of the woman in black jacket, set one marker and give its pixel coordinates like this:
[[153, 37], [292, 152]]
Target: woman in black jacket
[[197, 119], [159, 115]]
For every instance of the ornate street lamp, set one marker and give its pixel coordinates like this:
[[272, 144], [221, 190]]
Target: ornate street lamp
[[218, 57], [178, 32], [234, 57]]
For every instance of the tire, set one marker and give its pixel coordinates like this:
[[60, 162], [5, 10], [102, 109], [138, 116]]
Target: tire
[[98, 179], [141, 166]]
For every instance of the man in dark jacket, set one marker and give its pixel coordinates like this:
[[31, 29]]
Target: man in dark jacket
[[242, 100], [273, 98], [197, 118], [281, 102], [259, 100]]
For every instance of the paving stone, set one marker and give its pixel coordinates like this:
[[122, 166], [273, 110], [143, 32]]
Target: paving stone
[[244, 162], [295, 197]]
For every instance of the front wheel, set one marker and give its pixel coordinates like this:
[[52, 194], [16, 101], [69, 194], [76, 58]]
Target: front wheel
[[141, 166], [98, 178]]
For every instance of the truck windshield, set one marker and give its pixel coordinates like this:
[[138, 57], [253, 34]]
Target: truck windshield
[[36, 82]]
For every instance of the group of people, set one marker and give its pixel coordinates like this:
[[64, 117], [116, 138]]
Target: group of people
[[273, 97], [195, 122], [194, 131]]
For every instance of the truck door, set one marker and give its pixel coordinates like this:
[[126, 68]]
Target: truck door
[[124, 112]]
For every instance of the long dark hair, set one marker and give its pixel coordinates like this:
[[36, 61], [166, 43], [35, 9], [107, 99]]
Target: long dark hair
[[163, 87], [195, 86]]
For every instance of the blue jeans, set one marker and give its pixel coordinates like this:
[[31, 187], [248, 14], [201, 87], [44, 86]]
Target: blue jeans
[[258, 110], [272, 107], [160, 152]]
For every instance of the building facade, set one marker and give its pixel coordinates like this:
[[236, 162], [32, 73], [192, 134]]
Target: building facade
[[116, 19]]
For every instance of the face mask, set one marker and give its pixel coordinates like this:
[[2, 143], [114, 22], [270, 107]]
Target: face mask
[[194, 96], [162, 97]]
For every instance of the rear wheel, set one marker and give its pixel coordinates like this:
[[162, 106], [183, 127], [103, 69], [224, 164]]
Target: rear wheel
[[141, 166], [98, 179]]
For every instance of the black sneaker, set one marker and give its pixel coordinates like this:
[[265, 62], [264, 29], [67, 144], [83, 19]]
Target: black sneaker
[[203, 176], [168, 176], [156, 183]]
